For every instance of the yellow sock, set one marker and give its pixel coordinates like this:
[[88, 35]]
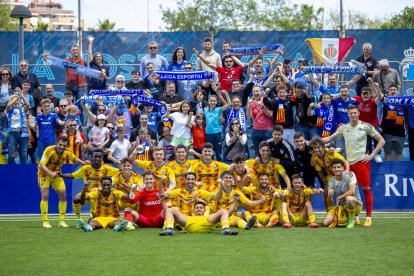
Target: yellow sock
[[247, 216], [225, 224], [77, 209], [170, 223], [62, 209], [285, 217], [241, 224], [312, 218], [351, 214], [274, 218], [44, 209]]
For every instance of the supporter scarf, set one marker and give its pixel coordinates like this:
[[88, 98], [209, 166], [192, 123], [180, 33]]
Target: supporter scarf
[[398, 100], [240, 51], [154, 79], [359, 70], [118, 92], [185, 76], [23, 125], [395, 113], [67, 65], [326, 119], [146, 100], [4, 143], [280, 116], [231, 114]]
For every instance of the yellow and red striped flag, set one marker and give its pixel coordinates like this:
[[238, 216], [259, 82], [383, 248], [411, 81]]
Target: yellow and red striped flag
[[330, 51]]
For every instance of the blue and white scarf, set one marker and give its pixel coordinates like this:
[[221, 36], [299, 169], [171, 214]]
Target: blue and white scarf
[[399, 100], [233, 114], [254, 50], [359, 70], [23, 125], [67, 65], [184, 75]]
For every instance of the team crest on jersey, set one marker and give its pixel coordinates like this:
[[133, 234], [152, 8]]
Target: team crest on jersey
[[281, 151]]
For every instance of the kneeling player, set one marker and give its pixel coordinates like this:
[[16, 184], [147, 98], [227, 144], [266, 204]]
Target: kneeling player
[[105, 206], [198, 223], [263, 212], [151, 212], [348, 201], [297, 207]]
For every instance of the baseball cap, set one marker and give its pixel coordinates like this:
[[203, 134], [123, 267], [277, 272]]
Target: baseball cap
[[101, 116]]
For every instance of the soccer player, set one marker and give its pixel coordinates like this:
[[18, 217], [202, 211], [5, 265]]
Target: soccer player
[[124, 180], [105, 212], [344, 186], [227, 198], [322, 161], [241, 173], [91, 173], [207, 169], [151, 213], [199, 223], [49, 174], [264, 164], [355, 134], [180, 165], [264, 212], [159, 167], [184, 198], [297, 206]]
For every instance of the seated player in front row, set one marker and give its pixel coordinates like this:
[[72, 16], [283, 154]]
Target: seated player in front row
[[297, 207], [348, 201], [104, 207], [264, 212]]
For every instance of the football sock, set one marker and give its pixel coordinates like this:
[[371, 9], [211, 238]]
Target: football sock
[[225, 224], [128, 216], [170, 223], [368, 201], [241, 224], [247, 216], [44, 209], [351, 214], [62, 209], [77, 209], [312, 218], [274, 218], [285, 217]]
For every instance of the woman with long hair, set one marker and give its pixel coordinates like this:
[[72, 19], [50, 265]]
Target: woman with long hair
[[178, 60]]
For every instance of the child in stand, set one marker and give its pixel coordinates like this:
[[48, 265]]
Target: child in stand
[[73, 114], [200, 101], [198, 129], [99, 135], [4, 145], [143, 146]]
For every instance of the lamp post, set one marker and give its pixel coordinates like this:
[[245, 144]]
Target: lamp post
[[21, 12]]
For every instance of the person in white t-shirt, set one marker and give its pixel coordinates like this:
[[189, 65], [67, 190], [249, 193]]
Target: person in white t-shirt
[[120, 147], [180, 130]]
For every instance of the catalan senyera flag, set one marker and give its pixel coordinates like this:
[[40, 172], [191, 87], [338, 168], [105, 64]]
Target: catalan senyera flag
[[330, 51]]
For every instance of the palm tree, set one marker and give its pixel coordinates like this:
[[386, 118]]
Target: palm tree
[[40, 27], [105, 26]]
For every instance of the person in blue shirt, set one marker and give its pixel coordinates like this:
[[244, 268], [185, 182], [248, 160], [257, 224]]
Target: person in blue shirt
[[178, 60], [45, 128]]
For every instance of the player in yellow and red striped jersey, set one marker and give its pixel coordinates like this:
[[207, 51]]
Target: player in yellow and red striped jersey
[[297, 206], [92, 174], [208, 171], [227, 198], [159, 167], [268, 212], [180, 165], [49, 174], [241, 173], [264, 164], [106, 212], [185, 198]]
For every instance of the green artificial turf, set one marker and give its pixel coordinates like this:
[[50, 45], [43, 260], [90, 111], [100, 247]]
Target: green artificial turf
[[384, 249]]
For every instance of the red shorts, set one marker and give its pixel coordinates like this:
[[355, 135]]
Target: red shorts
[[362, 172], [156, 221]]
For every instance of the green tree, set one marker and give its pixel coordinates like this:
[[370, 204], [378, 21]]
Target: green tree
[[105, 26], [240, 15], [6, 22], [404, 19], [40, 27]]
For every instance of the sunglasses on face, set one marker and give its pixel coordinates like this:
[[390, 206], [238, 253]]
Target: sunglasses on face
[[101, 110], [111, 128], [23, 65], [4, 74], [63, 105], [153, 47], [120, 81]]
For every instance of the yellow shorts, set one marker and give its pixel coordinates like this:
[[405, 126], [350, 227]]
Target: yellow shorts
[[343, 213], [104, 221], [300, 218], [198, 224], [232, 218], [57, 183], [262, 218], [277, 205]]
